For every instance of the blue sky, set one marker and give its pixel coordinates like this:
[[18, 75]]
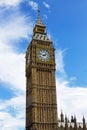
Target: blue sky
[[66, 23]]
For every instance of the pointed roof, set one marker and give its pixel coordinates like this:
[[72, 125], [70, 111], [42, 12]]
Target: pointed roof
[[39, 31], [39, 20]]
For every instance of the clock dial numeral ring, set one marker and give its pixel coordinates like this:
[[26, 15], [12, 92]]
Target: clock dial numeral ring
[[43, 55]]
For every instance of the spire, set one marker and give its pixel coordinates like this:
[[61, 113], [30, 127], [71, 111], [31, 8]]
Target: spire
[[65, 119], [75, 123], [39, 31], [66, 123], [62, 116], [39, 21], [83, 120], [84, 125], [74, 119]]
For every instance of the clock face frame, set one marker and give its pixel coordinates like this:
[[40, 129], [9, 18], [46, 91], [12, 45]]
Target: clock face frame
[[43, 55]]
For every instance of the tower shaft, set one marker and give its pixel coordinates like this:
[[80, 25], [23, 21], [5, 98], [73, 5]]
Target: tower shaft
[[41, 106]]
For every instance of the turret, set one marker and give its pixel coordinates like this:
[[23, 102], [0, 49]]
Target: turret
[[72, 119], [75, 123], [66, 123], [83, 120], [84, 125], [62, 116]]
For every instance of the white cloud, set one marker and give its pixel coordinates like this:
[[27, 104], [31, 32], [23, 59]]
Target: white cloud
[[73, 78], [9, 2], [16, 27], [60, 62], [12, 120], [70, 98], [34, 5], [46, 5], [45, 16], [12, 69], [12, 65]]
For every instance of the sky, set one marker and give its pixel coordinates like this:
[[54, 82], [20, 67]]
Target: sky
[[66, 25]]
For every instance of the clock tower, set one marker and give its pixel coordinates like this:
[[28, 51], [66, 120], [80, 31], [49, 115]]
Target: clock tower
[[41, 105]]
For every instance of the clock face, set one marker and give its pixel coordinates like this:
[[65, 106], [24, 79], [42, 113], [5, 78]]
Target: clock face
[[44, 55]]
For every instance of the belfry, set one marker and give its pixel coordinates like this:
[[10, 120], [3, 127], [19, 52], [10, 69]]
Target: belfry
[[41, 104]]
